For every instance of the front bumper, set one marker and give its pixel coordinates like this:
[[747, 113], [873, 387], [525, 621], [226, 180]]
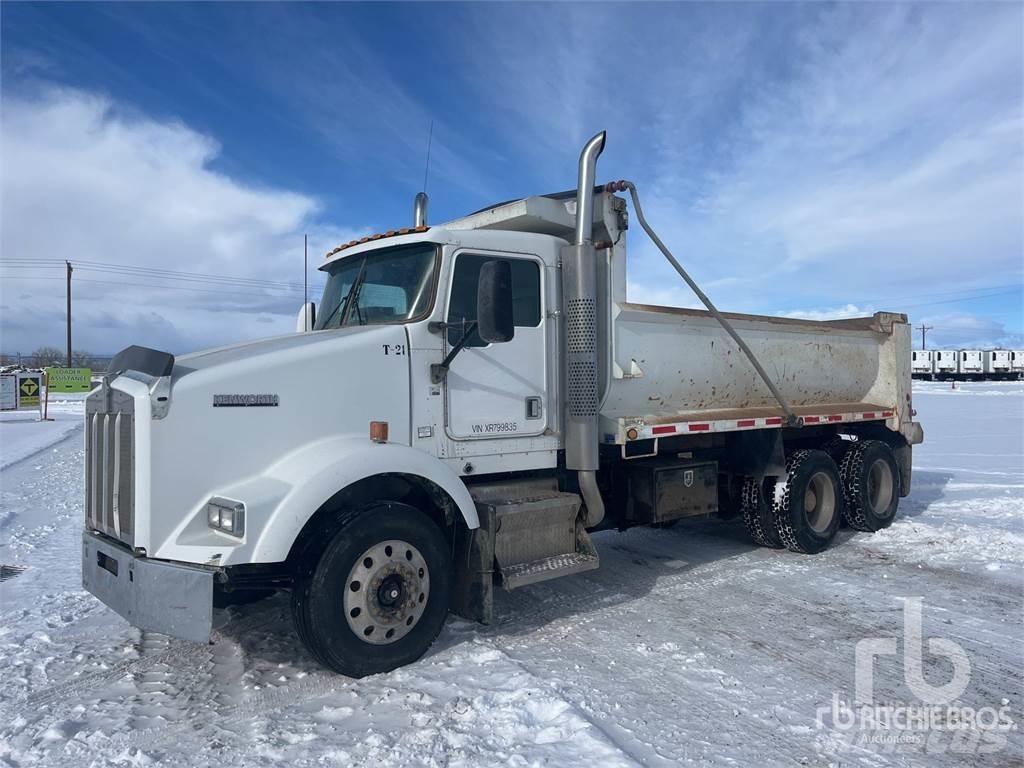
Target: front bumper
[[171, 598]]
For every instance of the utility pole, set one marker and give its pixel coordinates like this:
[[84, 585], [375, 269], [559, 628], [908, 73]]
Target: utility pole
[[68, 263], [924, 329], [305, 282]]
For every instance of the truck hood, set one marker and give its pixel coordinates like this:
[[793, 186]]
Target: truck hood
[[235, 413], [304, 371], [298, 344]]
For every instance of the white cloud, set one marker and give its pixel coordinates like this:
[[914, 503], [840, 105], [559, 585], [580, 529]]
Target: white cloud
[[835, 313], [86, 181], [964, 330], [661, 296], [810, 155]]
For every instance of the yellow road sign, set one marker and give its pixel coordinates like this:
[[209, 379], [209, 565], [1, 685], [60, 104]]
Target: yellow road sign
[[69, 379], [29, 388]]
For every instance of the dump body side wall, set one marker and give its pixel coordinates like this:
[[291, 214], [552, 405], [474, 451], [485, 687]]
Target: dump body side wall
[[682, 363]]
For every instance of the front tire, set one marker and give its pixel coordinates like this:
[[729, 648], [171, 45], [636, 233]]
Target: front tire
[[809, 502], [378, 595], [871, 486]]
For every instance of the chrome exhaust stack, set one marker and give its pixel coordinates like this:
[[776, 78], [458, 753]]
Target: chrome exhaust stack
[[419, 210], [579, 303]]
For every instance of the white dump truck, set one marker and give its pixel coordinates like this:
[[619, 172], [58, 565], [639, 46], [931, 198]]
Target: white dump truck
[[474, 400]]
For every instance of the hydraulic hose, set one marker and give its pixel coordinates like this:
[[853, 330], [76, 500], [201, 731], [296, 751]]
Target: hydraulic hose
[[618, 186]]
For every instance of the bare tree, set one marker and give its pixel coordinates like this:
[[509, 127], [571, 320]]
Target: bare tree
[[45, 356], [81, 359]]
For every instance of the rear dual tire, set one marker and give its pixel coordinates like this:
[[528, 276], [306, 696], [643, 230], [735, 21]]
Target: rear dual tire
[[808, 503], [871, 485], [756, 509]]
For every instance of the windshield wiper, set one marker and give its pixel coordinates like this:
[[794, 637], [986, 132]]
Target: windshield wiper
[[353, 295], [326, 322]]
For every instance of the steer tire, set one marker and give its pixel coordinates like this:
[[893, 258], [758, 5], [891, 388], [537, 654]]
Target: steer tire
[[378, 594], [871, 486], [756, 508], [812, 480]]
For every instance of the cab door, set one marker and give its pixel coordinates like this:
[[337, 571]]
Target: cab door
[[497, 391]]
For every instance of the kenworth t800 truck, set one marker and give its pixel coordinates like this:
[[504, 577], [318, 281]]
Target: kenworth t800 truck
[[473, 400]]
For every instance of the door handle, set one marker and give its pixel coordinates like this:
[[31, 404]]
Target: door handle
[[533, 408]]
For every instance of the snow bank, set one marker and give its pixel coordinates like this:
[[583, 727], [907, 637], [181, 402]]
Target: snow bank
[[22, 434]]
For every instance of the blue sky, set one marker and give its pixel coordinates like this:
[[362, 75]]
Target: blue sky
[[814, 160]]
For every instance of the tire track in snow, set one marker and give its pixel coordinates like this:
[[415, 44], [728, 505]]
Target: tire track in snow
[[785, 643]]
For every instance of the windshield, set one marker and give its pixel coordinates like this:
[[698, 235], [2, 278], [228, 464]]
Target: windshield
[[387, 286]]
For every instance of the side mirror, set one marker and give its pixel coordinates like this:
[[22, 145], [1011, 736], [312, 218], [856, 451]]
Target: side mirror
[[494, 303], [307, 317]]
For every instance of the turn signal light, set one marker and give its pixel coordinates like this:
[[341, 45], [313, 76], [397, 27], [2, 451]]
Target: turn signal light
[[379, 431]]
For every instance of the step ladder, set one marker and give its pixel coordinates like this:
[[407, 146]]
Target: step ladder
[[529, 532], [539, 538]]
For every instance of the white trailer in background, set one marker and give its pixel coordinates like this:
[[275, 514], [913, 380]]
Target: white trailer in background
[[945, 363], [998, 364], [922, 364], [1017, 363], [476, 398], [970, 363]]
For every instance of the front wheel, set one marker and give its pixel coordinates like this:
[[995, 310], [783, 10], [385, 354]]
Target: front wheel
[[809, 502], [378, 595]]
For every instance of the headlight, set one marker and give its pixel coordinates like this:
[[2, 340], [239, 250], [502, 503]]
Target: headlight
[[226, 516]]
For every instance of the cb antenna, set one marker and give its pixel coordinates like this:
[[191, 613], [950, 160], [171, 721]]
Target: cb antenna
[[426, 170]]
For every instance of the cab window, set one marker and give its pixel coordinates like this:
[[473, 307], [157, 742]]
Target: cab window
[[462, 305]]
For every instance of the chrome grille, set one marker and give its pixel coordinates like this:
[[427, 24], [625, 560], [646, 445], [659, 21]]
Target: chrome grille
[[110, 464]]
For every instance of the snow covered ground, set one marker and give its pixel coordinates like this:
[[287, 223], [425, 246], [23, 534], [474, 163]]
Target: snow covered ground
[[688, 646], [22, 433]]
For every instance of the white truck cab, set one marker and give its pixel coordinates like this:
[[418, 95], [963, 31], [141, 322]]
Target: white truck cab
[[475, 399]]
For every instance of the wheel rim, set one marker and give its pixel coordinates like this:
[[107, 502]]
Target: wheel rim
[[820, 502], [386, 592], [880, 487]]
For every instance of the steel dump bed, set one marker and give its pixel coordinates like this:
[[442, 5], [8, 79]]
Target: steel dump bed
[[676, 371]]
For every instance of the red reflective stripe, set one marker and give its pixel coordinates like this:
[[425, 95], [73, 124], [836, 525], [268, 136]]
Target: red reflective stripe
[[811, 419], [835, 417], [886, 414], [773, 420], [699, 427], [746, 422], [868, 415], [663, 430]]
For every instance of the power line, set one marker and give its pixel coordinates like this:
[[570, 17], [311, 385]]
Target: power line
[[979, 289], [154, 272], [173, 275], [965, 298], [159, 287]]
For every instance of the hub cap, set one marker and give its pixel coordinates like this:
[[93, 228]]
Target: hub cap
[[820, 502], [880, 487], [386, 592]]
